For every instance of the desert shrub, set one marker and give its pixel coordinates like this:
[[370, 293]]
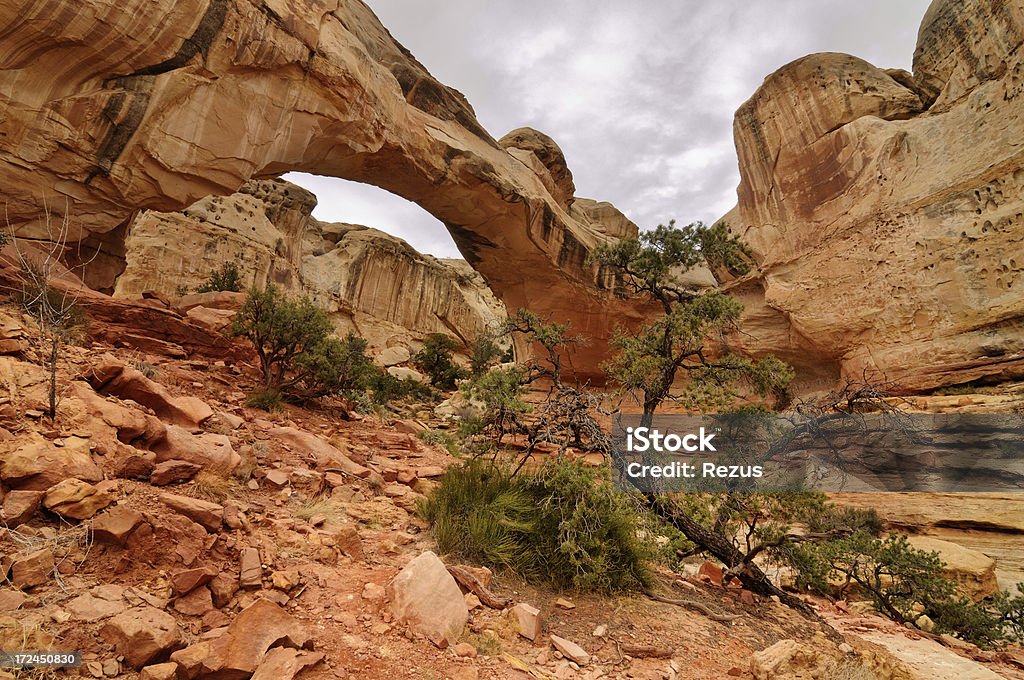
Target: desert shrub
[[443, 438], [905, 583], [837, 518], [501, 391], [386, 389], [483, 353], [336, 366], [227, 278], [437, 360], [266, 399], [298, 357], [560, 524]]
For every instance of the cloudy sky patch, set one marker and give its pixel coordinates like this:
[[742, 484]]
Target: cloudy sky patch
[[640, 96]]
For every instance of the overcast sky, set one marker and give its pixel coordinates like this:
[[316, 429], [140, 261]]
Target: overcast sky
[[639, 95]]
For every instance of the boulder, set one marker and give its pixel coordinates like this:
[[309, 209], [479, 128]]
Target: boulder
[[11, 600], [37, 464], [222, 588], [218, 299], [348, 542], [285, 580], [173, 472], [277, 478], [196, 602], [142, 635], [89, 608], [214, 319], [30, 569], [91, 410], [13, 338], [75, 499], [115, 525], [209, 515], [974, 572], [187, 580], [208, 450], [111, 376], [159, 671], [19, 507], [243, 647], [570, 650], [709, 572], [460, 407], [251, 569], [324, 453], [403, 373], [284, 663], [137, 466], [529, 620], [392, 356], [427, 598]]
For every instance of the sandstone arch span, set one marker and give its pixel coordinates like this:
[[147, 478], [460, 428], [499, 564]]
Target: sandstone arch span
[[119, 106]]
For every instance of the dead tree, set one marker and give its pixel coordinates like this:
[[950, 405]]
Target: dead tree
[[49, 291]]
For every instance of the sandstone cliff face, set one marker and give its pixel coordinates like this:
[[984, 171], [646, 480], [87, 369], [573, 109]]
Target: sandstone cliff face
[[887, 208], [108, 108], [369, 282]]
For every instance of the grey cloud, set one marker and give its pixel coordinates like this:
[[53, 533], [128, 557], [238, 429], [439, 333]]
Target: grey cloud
[[640, 96]]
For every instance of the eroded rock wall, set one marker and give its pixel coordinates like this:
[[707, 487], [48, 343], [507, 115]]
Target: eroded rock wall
[[887, 209], [369, 282]]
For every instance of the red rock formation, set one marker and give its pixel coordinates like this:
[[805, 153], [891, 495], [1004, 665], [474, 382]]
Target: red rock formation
[[886, 208], [141, 105]]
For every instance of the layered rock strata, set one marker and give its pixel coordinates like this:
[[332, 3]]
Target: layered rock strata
[[369, 282]]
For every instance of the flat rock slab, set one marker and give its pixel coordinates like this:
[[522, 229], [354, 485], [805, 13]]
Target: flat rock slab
[[209, 515], [571, 650]]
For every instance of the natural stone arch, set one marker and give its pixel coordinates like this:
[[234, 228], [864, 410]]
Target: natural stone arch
[[137, 113]]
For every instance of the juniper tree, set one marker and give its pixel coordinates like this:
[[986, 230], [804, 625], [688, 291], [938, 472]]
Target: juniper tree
[[688, 339], [689, 336]]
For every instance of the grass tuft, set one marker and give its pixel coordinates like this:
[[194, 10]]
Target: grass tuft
[[560, 524]]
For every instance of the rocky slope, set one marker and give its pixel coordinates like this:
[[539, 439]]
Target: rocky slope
[[167, 531], [369, 282], [886, 207], [152, 106]]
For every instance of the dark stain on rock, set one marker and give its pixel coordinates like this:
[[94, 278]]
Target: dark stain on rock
[[573, 254], [440, 101], [197, 43], [124, 111], [127, 107], [547, 223], [469, 243]]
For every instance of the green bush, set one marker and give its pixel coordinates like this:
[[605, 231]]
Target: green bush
[[442, 438], [387, 389], [227, 278], [501, 391], [265, 399], [905, 583], [336, 366], [437, 360], [560, 524], [483, 353], [298, 357]]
